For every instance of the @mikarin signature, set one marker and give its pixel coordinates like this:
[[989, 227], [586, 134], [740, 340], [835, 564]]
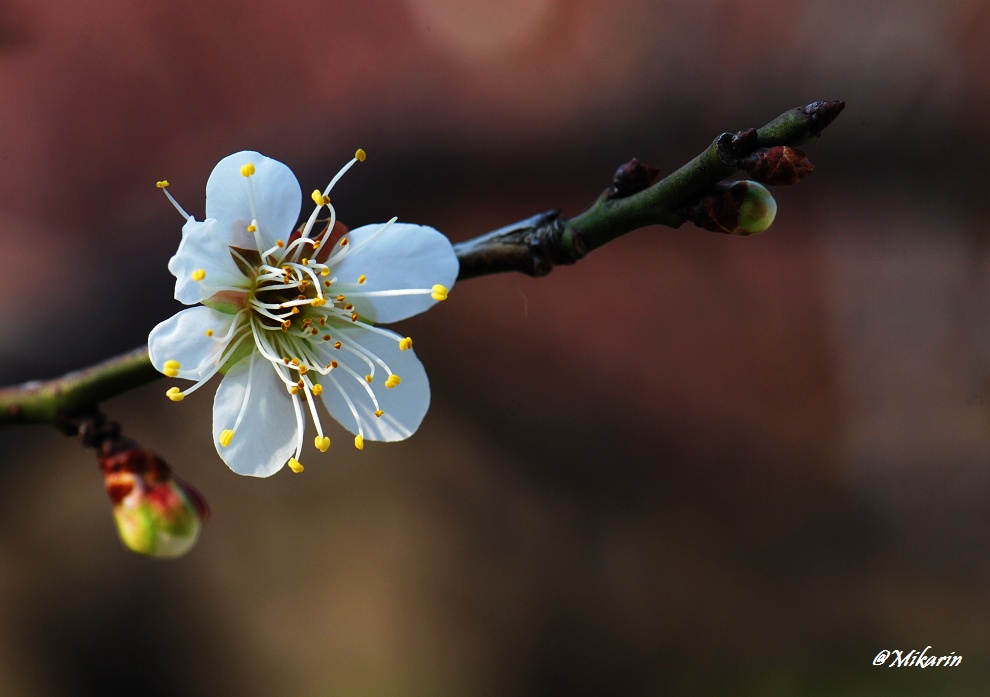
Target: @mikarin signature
[[897, 658]]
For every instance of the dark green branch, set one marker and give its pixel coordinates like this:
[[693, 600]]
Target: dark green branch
[[52, 401], [532, 246]]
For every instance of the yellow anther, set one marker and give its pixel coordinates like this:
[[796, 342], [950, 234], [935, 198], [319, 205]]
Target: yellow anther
[[322, 443], [349, 307], [317, 197], [362, 278], [368, 379], [175, 394], [360, 155], [359, 442], [317, 390], [247, 170], [285, 325], [295, 465], [209, 332], [354, 317], [171, 368], [337, 345], [294, 390], [327, 337], [392, 381], [225, 437], [295, 361], [163, 184], [295, 310], [439, 293], [379, 413], [280, 244], [318, 302], [405, 344], [303, 370], [198, 275], [340, 298], [343, 241], [325, 272], [301, 384], [252, 228], [304, 261]]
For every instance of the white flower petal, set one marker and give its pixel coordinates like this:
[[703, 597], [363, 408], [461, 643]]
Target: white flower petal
[[203, 254], [402, 257], [183, 338], [257, 425], [277, 198], [404, 405], [265, 438]]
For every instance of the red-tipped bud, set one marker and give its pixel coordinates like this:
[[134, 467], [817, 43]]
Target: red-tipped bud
[[156, 514]]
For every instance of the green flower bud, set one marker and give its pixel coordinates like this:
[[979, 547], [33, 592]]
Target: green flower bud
[[735, 208], [757, 209], [156, 514]]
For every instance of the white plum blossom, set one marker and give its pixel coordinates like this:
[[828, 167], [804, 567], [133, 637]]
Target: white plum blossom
[[290, 316]]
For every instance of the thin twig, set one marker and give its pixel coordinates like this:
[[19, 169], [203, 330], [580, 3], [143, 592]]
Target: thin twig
[[535, 245]]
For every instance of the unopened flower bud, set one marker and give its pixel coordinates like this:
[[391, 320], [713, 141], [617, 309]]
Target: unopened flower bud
[[777, 166], [156, 514], [735, 208]]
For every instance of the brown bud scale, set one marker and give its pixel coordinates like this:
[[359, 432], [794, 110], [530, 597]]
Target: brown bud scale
[[777, 166]]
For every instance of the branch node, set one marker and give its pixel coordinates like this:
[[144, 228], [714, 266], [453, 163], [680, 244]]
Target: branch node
[[733, 147], [89, 424], [515, 247], [551, 245], [631, 178]]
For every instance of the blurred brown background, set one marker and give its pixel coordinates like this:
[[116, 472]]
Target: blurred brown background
[[689, 465]]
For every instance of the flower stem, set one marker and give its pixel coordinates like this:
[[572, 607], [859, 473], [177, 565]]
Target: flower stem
[[532, 246]]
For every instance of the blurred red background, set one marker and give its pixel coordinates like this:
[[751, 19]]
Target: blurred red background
[[690, 464]]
